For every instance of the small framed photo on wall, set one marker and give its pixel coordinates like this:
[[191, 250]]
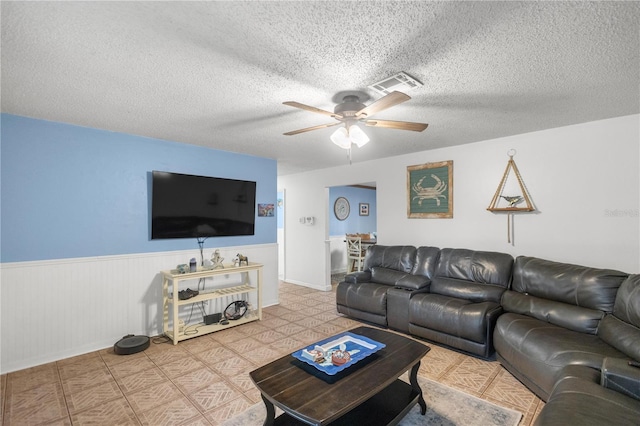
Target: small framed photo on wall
[[364, 209]]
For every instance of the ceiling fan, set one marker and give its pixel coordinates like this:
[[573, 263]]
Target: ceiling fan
[[352, 111]]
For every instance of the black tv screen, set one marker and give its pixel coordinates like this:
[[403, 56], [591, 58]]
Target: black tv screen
[[187, 206]]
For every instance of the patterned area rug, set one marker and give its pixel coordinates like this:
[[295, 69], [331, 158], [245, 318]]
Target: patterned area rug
[[445, 407]]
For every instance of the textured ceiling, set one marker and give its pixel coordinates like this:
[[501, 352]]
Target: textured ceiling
[[216, 73]]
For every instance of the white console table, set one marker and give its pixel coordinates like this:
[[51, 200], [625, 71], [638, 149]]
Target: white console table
[[170, 287]]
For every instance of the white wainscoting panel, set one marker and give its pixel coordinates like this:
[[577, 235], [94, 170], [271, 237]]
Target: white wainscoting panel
[[55, 309]]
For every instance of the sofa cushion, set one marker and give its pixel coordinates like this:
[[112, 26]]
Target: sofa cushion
[[573, 284], [576, 401], [627, 306], [562, 314], [426, 260], [366, 297], [622, 329], [400, 258], [621, 335], [467, 290], [457, 317], [535, 351], [482, 267]]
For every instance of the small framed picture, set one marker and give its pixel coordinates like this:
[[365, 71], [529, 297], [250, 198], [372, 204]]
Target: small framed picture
[[265, 210], [364, 209]]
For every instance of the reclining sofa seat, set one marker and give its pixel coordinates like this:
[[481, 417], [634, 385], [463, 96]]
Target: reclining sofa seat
[[611, 394], [558, 314], [379, 294], [463, 302]]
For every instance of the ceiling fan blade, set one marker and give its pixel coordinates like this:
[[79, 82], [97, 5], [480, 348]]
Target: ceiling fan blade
[[387, 101], [399, 125], [310, 108], [308, 129]]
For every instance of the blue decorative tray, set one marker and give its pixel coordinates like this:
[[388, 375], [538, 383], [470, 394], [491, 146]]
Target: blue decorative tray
[[359, 347]]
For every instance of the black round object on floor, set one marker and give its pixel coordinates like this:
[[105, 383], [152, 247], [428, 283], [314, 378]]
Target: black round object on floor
[[131, 344]]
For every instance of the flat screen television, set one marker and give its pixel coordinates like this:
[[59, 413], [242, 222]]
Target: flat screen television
[[188, 206]]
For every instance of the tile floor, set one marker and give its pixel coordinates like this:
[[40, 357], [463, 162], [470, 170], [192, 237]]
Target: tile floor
[[203, 381]]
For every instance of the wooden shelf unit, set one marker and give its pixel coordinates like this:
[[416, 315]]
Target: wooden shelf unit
[[170, 306]]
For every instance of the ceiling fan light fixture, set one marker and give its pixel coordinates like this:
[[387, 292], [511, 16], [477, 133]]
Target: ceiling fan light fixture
[[341, 138], [357, 136]]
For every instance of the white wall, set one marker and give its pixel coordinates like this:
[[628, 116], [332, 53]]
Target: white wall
[[54, 309], [583, 179]]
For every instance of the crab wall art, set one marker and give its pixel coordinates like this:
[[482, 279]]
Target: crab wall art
[[430, 190]]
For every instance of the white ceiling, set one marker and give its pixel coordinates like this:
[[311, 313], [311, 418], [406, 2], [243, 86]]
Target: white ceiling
[[216, 73]]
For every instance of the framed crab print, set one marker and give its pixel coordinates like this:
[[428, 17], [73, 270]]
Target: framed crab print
[[430, 190]]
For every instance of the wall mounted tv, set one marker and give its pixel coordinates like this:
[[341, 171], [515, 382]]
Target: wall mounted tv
[[187, 206]]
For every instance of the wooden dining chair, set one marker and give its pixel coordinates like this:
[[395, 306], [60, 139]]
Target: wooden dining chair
[[355, 254]]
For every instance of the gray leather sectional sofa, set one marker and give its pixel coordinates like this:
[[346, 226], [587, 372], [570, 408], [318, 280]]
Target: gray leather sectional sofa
[[566, 331]]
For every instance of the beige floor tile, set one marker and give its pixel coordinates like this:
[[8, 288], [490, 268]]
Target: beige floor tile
[[36, 405], [147, 398], [166, 356], [472, 375], [213, 396], [226, 411], [233, 366], [245, 345], [288, 344], [68, 370], [86, 380], [182, 365], [172, 413], [141, 380], [293, 316], [217, 354], [92, 396], [263, 355], [196, 380], [26, 379], [131, 366], [268, 336]]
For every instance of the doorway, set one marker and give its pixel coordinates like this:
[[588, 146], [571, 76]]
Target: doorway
[[361, 218]]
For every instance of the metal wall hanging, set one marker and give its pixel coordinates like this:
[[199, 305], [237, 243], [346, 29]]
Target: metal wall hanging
[[512, 195]]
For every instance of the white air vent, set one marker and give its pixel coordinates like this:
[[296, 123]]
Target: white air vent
[[401, 82]]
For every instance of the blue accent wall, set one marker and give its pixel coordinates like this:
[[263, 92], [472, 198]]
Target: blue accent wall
[[354, 223], [70, 191]]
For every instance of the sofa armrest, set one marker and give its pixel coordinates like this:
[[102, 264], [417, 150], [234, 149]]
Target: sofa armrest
[[358, 277], [616, 374], [413, 282]]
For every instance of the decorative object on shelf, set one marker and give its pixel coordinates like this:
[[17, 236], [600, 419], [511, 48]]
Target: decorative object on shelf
[[510, 195], [266, 210], [216, 260], [239, 259], [236, 310], [364, 209], [430, 190], [341, 208], [183, 268]]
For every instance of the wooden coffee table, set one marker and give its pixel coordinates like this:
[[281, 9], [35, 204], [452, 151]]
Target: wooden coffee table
[[366, 393]]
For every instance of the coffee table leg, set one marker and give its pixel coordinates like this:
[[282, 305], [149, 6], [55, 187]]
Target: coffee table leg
[[413, 378], [271, 412]]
